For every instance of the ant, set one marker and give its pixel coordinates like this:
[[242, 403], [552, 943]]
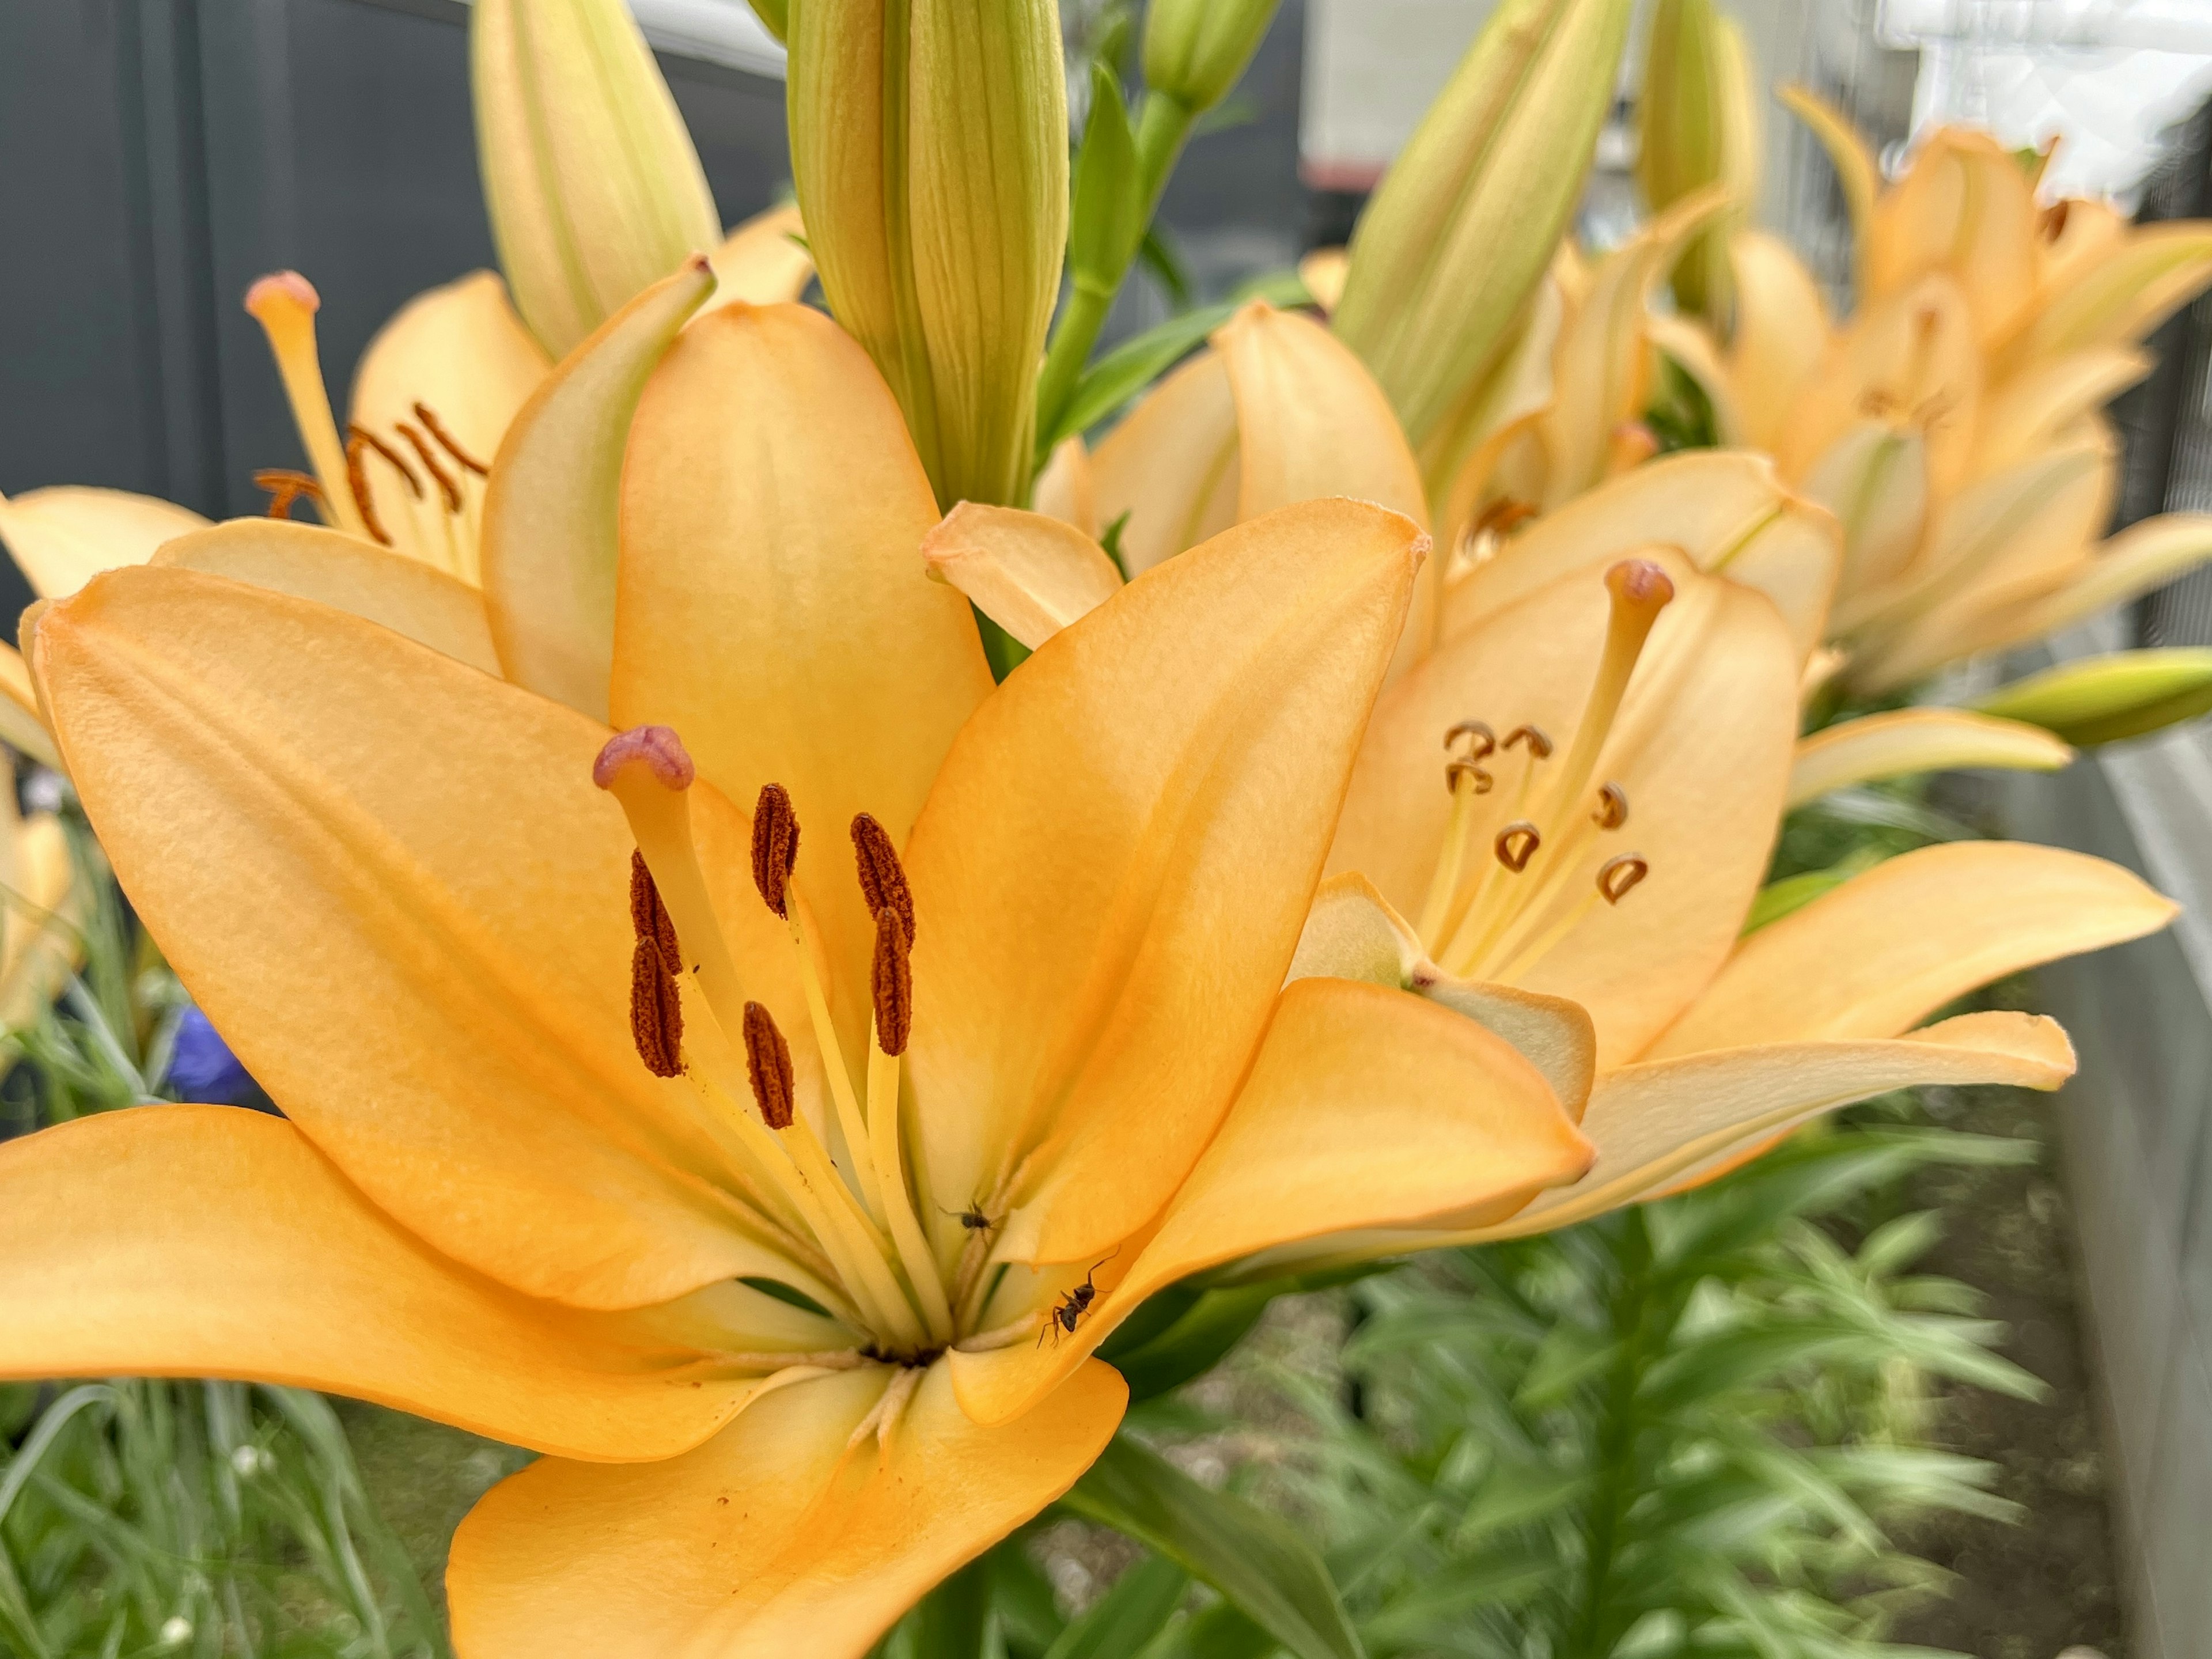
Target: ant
[[972, 1218], [1074, 1304]]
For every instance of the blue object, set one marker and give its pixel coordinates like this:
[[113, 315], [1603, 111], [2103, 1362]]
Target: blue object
[[202, 1068]]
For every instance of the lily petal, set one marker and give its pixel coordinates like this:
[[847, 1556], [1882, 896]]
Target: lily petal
[[331, 568], [1890, 947], [204, 1241], [1066, 489], [1172, 465], [1964, 207], [63, 535], [775, 1539], [460, 351], [2141, 558], [2038, 406], [763, 262], [551, 511], [44, 927], [1031, 574], [1908, 740], [772, 607], [1142, 808], [1858, 172], [1366, 1107], [390, 883], [22, 725], [1782, 330], [2120, 299]]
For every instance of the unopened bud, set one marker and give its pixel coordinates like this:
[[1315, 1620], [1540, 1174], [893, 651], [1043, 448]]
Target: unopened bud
[[1698, 126], [767, 1068], [593, 188], [2104, 699], [1196, 50], [776, 848]]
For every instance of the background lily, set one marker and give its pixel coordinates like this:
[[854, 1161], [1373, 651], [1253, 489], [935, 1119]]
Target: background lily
[[43, 900], [559, 1112]]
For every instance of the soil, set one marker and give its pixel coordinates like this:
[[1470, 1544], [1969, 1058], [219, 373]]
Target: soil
[[2031, 1590]]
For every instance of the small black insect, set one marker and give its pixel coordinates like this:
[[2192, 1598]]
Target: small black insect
[[972, 1218], [1072, 1305]]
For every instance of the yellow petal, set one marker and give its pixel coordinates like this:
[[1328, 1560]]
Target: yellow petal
[[1323, 272], [63, 535], [2120, 298], [773, 1540], [1729, 511], [772, 605], [1890, 947], [333, 568], [1782, 330], [1908, 740], [1856, 171], [1029, 574], [1701, 748], [1365, 1108], [22, 725], [44, 926], [2141, 558], [1112, 871], [1661, 1124], [1172, 465], [204, 1241], [1964, 207], [2038, 406], [460, 351], [390, 883], [1310, 420], [1066, 490], [550, 516], [1690, 346], [763, 262], [1874, 478]]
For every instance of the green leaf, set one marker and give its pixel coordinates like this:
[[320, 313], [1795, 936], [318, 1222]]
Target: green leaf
[[1256, 1560], [951, 1622], [786, 1294], [1129, 1615], [1886, 811], [1107, 218], [1197, 1341], [1218, 1632], [1778, 898], [1029, 1615]]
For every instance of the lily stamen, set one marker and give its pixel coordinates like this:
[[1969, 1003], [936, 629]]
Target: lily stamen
[[446, 441], [1612, 807], [1515, 844], [1617, 877], [364, 505], [285, 487], [284, 304]]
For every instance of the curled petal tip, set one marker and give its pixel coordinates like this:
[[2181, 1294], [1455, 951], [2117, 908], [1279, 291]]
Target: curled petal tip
[[654, 746], [1639, 582], [282, 290]]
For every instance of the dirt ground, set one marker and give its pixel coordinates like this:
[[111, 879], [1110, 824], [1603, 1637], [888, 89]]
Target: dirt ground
[[2031, 1590]]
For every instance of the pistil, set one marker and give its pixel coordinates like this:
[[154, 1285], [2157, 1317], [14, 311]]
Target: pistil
[[285, 304]]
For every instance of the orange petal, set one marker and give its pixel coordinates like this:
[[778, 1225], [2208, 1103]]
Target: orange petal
[[772, 1540], [1172, 465], [764, 261], [63, 535], [1031, 574]]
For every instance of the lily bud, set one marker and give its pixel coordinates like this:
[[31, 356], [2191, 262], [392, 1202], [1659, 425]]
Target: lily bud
[[774, 16], [1698, 126], [593, 189], [2127, 693], [929, 147], [1450, 251], [1196, 50]]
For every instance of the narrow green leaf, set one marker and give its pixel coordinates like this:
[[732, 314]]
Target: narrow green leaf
[[1256, 1560], [952, 1619], [1129, 1615], [1197, 1341], [1107, 217]]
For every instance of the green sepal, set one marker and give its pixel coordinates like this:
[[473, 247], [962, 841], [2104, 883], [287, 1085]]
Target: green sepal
[[775, 16], [1107, 218], [1255, 1559], [2124, 694]]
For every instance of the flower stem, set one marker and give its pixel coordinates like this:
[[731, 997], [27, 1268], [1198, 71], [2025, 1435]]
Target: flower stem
[[1636, 1316]]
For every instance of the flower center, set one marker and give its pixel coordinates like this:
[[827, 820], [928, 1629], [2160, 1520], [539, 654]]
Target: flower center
[[1521, 867]]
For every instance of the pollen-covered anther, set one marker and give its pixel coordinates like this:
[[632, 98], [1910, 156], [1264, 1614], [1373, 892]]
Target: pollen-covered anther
[[1539, 745], [1479, 740], [891, 981], [285, 487], [1612, 807], [357, 434], [1516, 844], [1461, 770], [449, 489], [656, 748], [1617, 877], [656, 1011], [357, 487], [776, 848], [447, 442], [767, 1068], [649, 917], [883, 878]]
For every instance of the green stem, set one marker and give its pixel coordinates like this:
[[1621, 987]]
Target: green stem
[[1619, 1476], [1163, 128]]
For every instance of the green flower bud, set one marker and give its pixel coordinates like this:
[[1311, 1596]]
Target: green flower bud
[[1698, 126], [1448, 254], [2126, 694], [1196, 50], [593, 189], [929, 146]]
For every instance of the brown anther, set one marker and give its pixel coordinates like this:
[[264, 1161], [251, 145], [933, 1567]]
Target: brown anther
[[1502, 516], [1539, 745], [883, 878], [446, 441], [1617, 877], [649, 917], [449, 490], [891, 981], [656, 747], [357, 485], [1516, 844], [1612, 807], [656, 1011], [1480, 740], [1461, 770], [767, 1068], [356, 432], [776, 848], [1639, 582], [285, 487]]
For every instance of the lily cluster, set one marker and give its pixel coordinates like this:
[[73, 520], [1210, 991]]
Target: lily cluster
[[734, 1045]]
